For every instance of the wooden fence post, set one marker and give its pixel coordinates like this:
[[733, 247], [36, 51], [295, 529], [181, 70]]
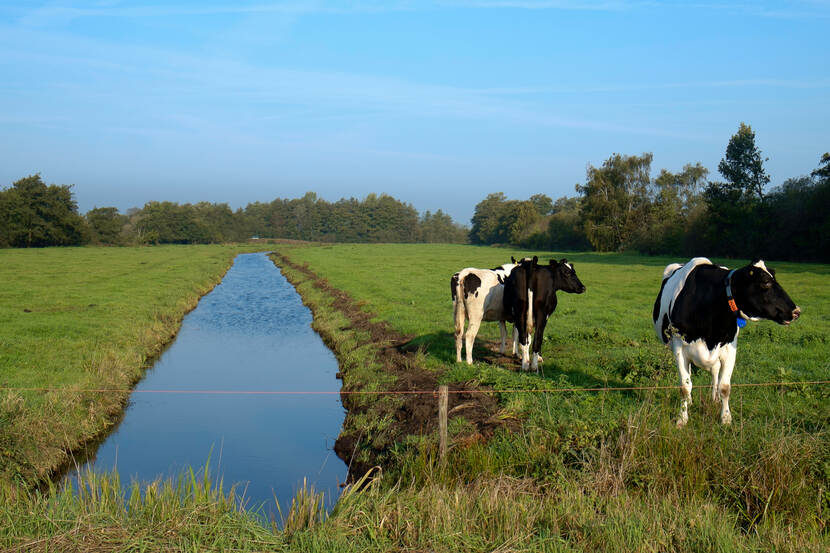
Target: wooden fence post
[[443, 396]]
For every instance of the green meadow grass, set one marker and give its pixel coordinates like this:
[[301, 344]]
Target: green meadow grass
[[75, 319]]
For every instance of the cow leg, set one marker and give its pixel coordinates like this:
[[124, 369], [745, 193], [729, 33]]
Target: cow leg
[[728, 354], [516, 342], [525, 356], [684, 367], [459, 330], [470, 337], [715, 379], [522, 340], [503, 330], [538, 334]]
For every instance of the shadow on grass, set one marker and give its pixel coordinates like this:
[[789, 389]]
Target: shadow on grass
[[440, 346]]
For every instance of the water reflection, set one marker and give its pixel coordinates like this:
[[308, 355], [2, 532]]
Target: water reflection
[[252, 332]]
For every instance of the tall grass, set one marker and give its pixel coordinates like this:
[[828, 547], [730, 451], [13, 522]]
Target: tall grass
[[503, 513]]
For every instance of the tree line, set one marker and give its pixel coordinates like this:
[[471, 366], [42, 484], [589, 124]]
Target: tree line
[[621, 207], [34, 214]]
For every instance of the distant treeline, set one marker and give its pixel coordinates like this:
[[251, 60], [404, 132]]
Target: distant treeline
[[622, 208], [33, 214]]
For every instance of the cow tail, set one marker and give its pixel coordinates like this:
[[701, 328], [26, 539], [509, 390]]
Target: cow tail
[[459, 302], [529, 323]]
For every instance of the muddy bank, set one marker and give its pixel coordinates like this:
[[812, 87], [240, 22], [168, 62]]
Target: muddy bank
[[413, 414]]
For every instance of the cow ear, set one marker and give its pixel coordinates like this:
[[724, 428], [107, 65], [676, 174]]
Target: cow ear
[[535, 259], [771, 271], [564, 260], [512, 260]]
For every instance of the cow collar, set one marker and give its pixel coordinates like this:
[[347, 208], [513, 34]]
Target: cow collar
[[730, 300]]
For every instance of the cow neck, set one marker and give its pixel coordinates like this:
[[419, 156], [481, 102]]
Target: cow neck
[[730, 301]]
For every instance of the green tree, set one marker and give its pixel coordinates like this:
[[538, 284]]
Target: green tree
[[171, 223], [486, 220], [33, 214], [615, 200], [105, 225], [498, 220], [822, 172], [439, 227], [517, 220], [675, 204], [799, 220], [542, 203], [736, 213], [742, 166], [565, 230]]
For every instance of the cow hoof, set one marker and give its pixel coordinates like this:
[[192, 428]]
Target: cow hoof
[[681, 422], [726, 418]]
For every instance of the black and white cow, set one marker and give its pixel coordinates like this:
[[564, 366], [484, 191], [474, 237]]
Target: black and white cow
[[698, 314], [530, 298], [477, 296]]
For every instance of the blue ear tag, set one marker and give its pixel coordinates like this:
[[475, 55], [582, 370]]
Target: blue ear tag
[[741, 322]]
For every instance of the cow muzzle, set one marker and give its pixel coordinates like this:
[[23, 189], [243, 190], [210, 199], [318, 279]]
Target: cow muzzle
[[796, 314]]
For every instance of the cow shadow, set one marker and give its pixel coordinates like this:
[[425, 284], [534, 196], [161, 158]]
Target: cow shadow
[[440, 346], [556, 370]]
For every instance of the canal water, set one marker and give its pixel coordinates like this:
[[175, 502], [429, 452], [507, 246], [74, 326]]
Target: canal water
[[251, 333]]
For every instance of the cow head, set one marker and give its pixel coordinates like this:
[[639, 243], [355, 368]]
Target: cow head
[[565, 277], [759, 296]]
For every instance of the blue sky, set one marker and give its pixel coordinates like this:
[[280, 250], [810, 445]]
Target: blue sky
[[435, 102]]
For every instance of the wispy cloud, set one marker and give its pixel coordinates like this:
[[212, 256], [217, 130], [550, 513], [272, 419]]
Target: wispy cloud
[[116, 74], [611, 88]]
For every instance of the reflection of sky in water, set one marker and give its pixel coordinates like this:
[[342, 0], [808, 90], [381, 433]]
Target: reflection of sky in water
[[252, 332]]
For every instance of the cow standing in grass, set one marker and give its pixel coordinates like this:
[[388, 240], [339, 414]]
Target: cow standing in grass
[[530, 299], [699, 312], [477, 296]]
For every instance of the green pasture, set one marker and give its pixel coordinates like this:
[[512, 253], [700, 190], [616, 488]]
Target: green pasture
[[75, 319]]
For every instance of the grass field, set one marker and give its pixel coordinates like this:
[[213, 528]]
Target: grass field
[[579, 472]]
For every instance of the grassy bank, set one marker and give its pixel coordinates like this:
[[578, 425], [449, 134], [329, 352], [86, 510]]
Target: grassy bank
[[80, 319]]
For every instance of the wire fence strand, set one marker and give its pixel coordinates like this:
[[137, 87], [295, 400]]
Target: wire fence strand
[[405, 392]]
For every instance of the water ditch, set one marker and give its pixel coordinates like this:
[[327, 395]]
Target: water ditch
[[250, 333]]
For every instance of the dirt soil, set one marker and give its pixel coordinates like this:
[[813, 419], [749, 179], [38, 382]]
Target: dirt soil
[[418, 413]]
